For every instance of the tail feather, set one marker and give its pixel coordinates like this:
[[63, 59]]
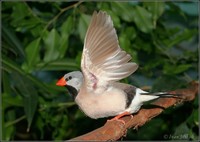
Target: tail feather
[[162, 94]]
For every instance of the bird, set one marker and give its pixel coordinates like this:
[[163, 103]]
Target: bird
[[97, 89]]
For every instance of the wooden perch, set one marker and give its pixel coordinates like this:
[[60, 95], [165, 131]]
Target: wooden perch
[[113, 130]]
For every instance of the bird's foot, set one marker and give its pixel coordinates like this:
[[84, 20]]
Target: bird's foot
[[117, 118]]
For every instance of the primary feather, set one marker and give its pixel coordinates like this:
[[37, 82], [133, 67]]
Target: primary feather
[[102, 57]]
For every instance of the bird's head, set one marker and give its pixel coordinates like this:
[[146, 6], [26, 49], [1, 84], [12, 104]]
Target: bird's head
[[72, 81]]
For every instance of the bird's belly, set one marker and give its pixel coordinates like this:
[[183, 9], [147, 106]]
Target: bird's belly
[[110, 103]]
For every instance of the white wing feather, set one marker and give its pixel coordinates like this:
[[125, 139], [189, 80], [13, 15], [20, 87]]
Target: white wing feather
[[102, 57]]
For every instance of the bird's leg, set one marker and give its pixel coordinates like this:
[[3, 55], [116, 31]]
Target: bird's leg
[[117, 118], [121, 115]]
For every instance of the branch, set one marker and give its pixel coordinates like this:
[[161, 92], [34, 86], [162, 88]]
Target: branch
[[113, 130]]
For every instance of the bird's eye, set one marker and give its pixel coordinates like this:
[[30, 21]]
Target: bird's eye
[[70, 78]]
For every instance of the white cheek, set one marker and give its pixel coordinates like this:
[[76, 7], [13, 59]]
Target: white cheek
[[75, 84], [78, 84]]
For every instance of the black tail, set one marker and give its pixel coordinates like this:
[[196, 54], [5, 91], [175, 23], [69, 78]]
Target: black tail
[[163, 94]]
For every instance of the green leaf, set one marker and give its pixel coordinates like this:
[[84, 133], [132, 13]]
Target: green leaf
[[78, 58], [51, 41], [10, 38], [83, 25], [10, 66], [11, 101], [124, 10], [143, 19], [176, 69], [130, 32], [40, 124], [66, 30], [8, 131], [124, 41], [30, 96], [64, 40], [61, 64], [186, 34], [6, 82], [33, 53], [156, 8], [176, 10], [168, 82], [139, 15], [26, 19], [67, 26], [20, 11], [192, 120]]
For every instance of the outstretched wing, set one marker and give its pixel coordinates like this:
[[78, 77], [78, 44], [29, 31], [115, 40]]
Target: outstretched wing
[[102, 58]]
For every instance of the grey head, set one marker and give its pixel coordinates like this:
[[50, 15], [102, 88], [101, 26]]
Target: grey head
[[74, 81]]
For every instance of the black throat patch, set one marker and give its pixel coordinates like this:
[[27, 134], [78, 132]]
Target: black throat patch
[[72, 91]]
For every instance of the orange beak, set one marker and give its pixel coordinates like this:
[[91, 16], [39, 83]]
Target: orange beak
[[61, 82]]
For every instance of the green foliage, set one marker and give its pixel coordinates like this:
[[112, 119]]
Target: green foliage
[[32, 55], [41, 41], [83, 25]]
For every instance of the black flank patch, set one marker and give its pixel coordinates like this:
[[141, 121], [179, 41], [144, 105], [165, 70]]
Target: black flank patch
[[130, 92]]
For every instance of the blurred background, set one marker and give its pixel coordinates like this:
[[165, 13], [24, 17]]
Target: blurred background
[[41, 41]]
